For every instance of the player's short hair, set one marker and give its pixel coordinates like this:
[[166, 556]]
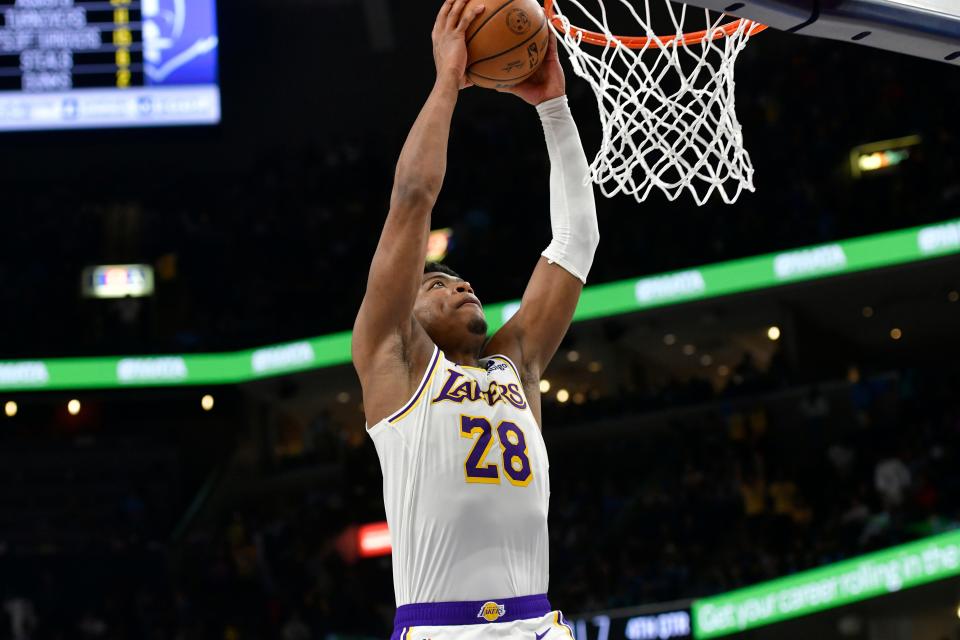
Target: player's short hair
[[436, 267]]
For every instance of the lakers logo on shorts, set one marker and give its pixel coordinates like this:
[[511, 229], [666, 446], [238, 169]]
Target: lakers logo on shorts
[[491, 611]]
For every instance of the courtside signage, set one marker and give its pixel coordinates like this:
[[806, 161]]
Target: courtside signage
[[597, 301], [663, 626], [648, 622], [942, 238], [152, 370], [289, 357], [834, 585], [23, 375], [818, 260], [675, 286]]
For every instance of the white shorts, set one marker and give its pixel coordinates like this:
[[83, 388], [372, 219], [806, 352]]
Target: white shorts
[[480, 621]]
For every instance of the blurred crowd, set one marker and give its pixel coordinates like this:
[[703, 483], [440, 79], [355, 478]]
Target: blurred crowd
[[760, 488], [688, 502]]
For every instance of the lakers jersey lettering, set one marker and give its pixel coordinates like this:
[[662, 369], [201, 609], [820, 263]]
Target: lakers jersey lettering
[[458, 388], [466, 487]]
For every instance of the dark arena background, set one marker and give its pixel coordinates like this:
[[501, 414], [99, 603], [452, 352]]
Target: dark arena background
[[753, 423]]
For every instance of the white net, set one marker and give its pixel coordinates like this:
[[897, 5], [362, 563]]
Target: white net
[[667, 108]]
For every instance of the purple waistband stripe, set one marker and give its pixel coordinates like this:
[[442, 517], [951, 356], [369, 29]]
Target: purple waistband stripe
[[445, 614]]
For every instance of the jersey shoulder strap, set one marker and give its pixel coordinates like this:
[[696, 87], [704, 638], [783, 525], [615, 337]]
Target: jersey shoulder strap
[[422, 389]]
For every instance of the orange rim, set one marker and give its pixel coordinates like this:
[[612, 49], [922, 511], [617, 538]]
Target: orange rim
[[634, 42]]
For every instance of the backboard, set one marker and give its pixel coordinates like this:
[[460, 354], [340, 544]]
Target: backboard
[[925, 28]]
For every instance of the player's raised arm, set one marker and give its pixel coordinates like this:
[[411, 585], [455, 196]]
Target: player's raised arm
[[534, 333], [384, 339]]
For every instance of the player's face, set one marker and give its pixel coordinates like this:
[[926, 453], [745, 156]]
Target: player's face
[[448, 304]]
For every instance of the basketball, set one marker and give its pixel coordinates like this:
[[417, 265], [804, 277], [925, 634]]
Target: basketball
[[506, 43]]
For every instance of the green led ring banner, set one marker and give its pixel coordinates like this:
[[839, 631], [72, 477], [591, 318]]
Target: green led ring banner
[[834, 585], [625, 296], [163, 371]]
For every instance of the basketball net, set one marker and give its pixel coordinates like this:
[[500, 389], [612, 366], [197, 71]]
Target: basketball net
[[666, 103]]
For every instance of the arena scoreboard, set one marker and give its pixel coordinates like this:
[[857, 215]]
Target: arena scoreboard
[[643, 623], [82, 64]]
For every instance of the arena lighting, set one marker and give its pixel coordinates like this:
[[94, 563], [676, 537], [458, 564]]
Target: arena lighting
[[867, 312], [343, 397], [895, 333], [669, 339], [10, 408], [118, 281], [206, 402], [953, 296], [573, 356], [373, 540], [73, 407], [958, 611], [544, 385], [881, 155], [773, 333], [689, 349], [438, 244], [706, 360], [562, 396], [595, 367], [882, 159]]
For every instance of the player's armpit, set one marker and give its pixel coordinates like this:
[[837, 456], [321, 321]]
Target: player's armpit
[[392, 373], [531, 337], [388, 347]]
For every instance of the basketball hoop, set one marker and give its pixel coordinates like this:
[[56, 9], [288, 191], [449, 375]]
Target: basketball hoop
[[666, 103]]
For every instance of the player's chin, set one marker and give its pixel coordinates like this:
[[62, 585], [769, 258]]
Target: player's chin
[[477, 326], [472, 309], [476, 320]]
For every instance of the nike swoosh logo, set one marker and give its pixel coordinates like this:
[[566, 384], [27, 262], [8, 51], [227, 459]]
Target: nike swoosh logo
[[540, 635]]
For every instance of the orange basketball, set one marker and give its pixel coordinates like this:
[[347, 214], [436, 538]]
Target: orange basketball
[[506, 43]]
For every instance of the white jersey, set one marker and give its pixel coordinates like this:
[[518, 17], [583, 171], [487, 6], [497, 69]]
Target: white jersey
[[465, 486]]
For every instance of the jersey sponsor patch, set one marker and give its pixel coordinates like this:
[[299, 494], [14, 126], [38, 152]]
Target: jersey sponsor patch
[[492, 611], [493, 365]]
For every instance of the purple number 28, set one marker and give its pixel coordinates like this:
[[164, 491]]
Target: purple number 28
[[513, 449]]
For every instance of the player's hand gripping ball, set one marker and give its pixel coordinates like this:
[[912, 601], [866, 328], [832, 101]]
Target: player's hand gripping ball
[[506, 43]]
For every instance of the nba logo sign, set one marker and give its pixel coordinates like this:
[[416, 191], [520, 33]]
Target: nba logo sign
[[491, 611]]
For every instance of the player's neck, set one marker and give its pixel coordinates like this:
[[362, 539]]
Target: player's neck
[[461, 348], [464, 351], [462, 357]]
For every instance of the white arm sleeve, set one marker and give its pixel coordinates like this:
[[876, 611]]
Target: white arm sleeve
[[573, 212]]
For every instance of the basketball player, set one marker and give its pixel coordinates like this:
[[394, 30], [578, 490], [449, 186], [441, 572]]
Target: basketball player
[[455, 418]]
